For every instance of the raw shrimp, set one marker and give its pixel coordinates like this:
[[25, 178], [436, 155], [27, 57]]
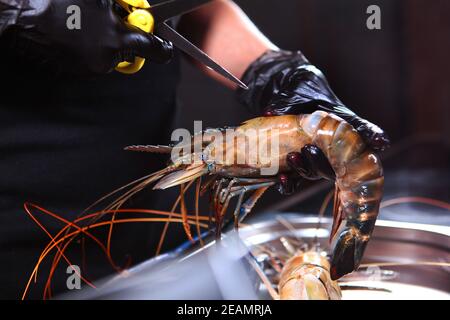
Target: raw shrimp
[[235, 167], [306, 276]]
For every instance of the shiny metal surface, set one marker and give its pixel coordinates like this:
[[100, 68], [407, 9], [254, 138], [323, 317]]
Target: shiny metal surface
[[226, 271], [392, 242]]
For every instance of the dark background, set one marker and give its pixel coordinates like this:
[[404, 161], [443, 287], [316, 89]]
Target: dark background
[[397, 77]]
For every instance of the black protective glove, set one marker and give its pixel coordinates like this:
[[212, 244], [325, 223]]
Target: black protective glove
[[283, 82], [309, 163], [103, 40]]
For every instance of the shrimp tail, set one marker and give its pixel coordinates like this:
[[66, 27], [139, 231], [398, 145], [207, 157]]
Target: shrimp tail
[[352, 238], [182, 176], [349, 250], [359, 187]]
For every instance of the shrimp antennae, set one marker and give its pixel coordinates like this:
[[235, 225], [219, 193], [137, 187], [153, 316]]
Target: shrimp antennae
[[412, 263], [116, 191], [322, 210], [423, 200], [197, 215], [83, 230], [183, 209], [166, 226]]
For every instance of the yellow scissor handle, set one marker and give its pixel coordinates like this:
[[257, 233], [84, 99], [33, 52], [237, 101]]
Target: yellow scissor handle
[[142, 19], [140, 4]]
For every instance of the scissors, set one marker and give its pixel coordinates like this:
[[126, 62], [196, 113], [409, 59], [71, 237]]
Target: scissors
[[153, 19]]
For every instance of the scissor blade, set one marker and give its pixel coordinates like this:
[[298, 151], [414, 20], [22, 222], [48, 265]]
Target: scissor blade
[[186, 46], [172, 8]]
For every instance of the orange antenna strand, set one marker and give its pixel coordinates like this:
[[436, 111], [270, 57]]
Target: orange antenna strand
[[423, 200], [61, 242]]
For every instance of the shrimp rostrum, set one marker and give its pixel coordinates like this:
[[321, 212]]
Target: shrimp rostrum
[[240, 164]]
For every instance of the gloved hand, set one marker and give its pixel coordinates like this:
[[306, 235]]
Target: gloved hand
[[309, 163], [283, 82], [102, 41]]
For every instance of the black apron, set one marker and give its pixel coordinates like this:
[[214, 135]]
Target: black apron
[[61, 147]]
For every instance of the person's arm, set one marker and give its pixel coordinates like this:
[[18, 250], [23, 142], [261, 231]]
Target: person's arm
[[280, 82], [224, 32]]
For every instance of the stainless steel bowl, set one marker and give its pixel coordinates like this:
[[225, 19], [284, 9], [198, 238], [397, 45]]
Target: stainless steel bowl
[[227, 272], [392, 242]]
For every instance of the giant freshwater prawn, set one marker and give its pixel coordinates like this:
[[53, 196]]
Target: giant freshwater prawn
[[358, 187]]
